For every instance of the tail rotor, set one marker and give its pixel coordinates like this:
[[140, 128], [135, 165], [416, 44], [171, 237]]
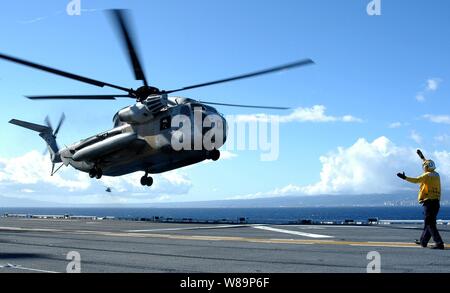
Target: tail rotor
[[47, 133], [58, 127]]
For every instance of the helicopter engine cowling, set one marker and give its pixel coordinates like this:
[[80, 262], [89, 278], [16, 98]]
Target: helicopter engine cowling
[[142, 112]]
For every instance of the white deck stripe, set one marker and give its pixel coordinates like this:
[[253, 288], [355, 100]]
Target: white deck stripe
[[29, 229], [188, 228], [19, 267], [291, 232]]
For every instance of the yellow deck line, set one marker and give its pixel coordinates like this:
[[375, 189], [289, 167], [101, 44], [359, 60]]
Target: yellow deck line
[[251, 240]]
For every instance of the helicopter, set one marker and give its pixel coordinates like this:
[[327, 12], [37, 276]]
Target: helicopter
[[141, 137]]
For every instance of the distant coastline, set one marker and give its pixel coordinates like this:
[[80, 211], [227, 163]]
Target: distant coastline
[[249, 215], [367, 200]]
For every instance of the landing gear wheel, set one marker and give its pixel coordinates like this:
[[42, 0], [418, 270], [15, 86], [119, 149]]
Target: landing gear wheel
[[149, 181], [92, 173], [99, 173], [146, 181], [96, 173], [214, 155]]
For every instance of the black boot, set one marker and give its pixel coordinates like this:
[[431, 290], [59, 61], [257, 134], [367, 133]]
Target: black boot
[[438, 246], [417, 241]]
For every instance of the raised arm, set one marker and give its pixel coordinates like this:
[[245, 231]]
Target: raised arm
[[419, 152]]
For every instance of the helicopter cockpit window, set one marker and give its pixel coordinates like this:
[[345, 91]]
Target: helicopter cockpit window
[[165, 123], [210, 109], [117, 121]]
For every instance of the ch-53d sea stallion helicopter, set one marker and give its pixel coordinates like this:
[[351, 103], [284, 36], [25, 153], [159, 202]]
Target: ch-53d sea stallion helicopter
[[142, 133]]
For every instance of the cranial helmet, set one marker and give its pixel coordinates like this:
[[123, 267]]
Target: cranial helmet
[[428, 165]]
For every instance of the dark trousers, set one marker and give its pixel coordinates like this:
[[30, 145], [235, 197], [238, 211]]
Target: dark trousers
[[430, 211]]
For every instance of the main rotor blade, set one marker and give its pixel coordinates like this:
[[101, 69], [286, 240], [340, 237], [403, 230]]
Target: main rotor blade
[[120, 19], [61, 73], [252, 74], [61, 121], [246, 106], [48, 123], [78, 97]]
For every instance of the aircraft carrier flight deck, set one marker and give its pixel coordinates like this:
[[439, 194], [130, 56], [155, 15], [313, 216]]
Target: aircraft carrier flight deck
[[42, 245]]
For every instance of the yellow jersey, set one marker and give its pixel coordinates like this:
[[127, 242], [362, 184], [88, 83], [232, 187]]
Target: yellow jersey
[[430, 185]]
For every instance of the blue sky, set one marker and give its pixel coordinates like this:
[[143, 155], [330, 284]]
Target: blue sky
[[391, 71]]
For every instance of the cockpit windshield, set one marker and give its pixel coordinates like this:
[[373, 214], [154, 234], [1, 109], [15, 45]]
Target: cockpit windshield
[[116, 121], [210, 109]]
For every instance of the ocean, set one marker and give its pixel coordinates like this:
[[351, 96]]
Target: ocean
[[252, 215]]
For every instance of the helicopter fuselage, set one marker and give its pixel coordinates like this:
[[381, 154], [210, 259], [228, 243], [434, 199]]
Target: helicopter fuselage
[[147, 144]]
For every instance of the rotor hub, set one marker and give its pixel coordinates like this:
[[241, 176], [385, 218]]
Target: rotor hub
[[144, 92]]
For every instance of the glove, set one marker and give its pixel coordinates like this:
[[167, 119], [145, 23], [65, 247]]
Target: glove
[[402, 175], [419, 152]]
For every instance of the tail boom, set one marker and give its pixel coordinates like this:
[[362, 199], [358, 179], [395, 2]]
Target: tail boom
[[47, 135]]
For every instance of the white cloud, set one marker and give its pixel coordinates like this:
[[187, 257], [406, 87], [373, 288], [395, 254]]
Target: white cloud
[[41, 18], [442, 160], [350, 118], [395, 125], [416, 137], [364, 168], [227, 155], [432, 85], [34, 168], [29, 175], [314, 114], [442, 138], [444, 119], [420, 97], [398, 124], [27, 190], [33, 20]]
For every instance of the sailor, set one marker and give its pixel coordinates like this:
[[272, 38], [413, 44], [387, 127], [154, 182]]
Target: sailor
[[429, 197]]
